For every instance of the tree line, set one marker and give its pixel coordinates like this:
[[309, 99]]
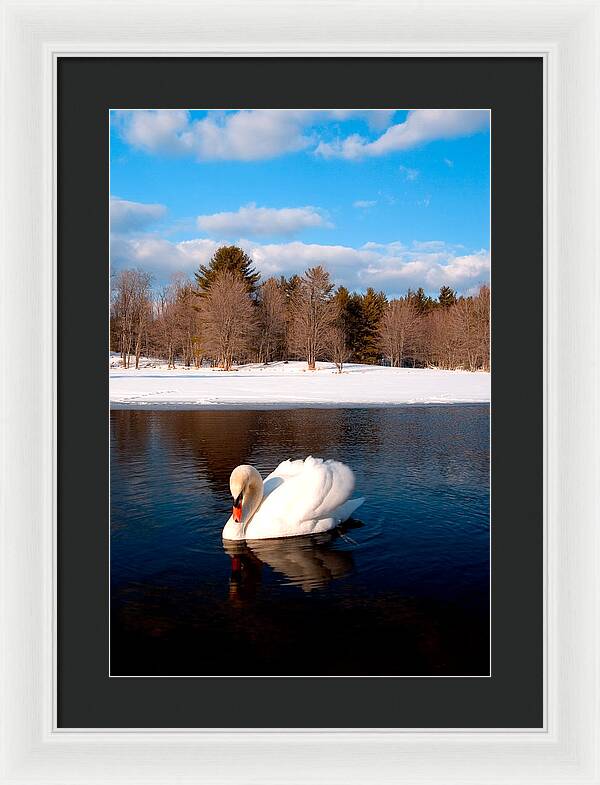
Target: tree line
[[227, 315]]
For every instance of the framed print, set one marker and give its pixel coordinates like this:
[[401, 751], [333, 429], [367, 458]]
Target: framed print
[[233, 359], [328, 514]]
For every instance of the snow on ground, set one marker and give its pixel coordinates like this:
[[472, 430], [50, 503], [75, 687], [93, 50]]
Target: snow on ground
[[290, 385]]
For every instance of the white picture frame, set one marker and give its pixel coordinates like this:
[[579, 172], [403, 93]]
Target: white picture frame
[[566, 33]]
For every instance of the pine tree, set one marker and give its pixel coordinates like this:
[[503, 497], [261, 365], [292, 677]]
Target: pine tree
[[290, 286], [421, 301], [372, 306], [354, 324], [341, 301], [228, 258], [447, 297], [349, 308]]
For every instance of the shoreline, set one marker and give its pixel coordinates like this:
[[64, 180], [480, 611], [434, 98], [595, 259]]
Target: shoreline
[[231, 406], [291, 386]]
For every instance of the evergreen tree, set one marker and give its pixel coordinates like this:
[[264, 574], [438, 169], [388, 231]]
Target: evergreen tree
[[290, 286], [342, 297], [372, 306], [421, 301], [290, 289], [228, 258], [349, 306], [447, 297], [341, 300]]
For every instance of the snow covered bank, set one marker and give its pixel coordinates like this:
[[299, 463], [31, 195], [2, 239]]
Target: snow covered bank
[[291, 386]]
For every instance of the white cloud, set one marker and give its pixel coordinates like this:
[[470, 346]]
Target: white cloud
[[389, 266], [158, 256], [295, 257], [421, 126], [384, 266], [430, 270], [262, 221], [132, 216], [460, 270], [364, 204], [258, 134], [153, 131], [246, 135]]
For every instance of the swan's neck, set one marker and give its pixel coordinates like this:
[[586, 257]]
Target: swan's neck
[[251, 502], [252, 499]]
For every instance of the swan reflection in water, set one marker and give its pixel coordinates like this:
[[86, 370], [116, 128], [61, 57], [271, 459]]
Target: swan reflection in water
[[308, 562]]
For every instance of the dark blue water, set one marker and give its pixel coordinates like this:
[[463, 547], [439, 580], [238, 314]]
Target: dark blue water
[[404, 590]]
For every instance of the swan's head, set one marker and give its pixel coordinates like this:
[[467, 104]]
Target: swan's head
[[246, 485]]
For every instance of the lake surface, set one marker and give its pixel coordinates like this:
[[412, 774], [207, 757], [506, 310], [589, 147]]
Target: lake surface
[[403, 590]]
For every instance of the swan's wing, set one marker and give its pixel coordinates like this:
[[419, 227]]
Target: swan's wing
[[285, 471], [348, 508], [306, 490]]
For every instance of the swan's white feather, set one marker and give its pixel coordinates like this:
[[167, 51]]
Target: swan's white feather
[[304, 497], [311, 489]]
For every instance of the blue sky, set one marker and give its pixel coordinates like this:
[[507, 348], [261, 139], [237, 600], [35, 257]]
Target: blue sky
[[391, 199]]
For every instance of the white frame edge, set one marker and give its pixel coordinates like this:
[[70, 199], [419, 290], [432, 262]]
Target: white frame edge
[[567, 36]]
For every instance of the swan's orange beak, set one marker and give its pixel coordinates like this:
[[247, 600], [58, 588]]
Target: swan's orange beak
[[237, 509]]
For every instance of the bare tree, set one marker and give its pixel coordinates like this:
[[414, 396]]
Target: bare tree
[[142, 311], [272, 319], [165, 323], [228, 318], [122, 312], [465, 324], [187, 320], [457, 335], [312, 315], [131, 310], [338, 347], [397, 327], [176, 325], [482, 302], [443, 339]]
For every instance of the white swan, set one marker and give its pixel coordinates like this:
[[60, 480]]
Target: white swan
[[299, 497]]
